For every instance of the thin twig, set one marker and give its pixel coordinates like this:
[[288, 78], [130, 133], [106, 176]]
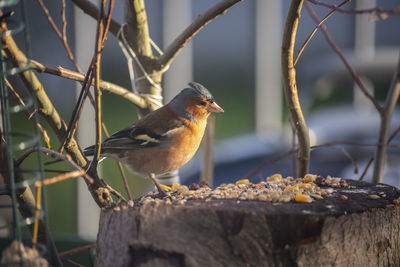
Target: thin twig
[[107, 22], [43, 132], [97, 92], [350, 143], [120, 168], [393, 135], [46, 107], [54, 154], [202, 20], [353, 162], [366, 169], [76, 250], [338, 51], [61, 35], [291, 151], [92, 10], [393, 11], [50, 19], [76, 76], [37, 212], [90, 75], [64, 37], [124, 180], [74, 263], [61, 177], [314, 31], [47, 110], [64, 21], [116, 193], [77, 111]]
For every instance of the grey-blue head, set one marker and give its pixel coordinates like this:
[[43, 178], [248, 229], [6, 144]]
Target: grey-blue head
[[195, 91]]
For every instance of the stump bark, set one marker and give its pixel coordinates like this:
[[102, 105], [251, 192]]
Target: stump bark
[[358, 231]]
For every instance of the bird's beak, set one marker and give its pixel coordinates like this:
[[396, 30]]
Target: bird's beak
[[215, 108]]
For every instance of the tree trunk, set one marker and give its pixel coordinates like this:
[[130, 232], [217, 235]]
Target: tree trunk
[[357, 231]]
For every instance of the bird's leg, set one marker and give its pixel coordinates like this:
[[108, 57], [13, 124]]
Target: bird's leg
[[160, 190]]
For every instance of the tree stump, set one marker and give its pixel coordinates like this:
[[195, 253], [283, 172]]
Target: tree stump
[[335, 231]]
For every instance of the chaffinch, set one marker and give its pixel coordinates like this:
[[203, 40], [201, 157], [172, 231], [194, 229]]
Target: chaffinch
[[165, 139]]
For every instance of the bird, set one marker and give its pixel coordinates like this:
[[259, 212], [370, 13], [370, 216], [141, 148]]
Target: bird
[[165, 139]]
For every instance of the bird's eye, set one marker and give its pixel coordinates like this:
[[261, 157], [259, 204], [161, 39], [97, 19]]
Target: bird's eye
[[203, 103]]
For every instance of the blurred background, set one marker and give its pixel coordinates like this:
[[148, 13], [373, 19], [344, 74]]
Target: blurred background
[[237, 57]]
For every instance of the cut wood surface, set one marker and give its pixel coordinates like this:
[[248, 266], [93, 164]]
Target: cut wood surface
[[355, 230]]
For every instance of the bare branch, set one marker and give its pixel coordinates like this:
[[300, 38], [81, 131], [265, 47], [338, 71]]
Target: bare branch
[[61, 35], [50, 19], [59, 178], [393, 11], [294, 150], [338, 51], [366, 169], [47, 110], [76, 113], [90, 75], [76, 76], [120, 168], [76, 250], [99, 37], [202, 20], [56, 155], [74, 263], [290, 86], [43, 132], [315, 30], [347, 155], [393, 135], [92, 10]]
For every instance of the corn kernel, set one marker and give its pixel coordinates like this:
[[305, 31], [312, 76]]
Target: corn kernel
[[176, 186], [308, 178], [275, 177], [303, 185], [303, 198], [291, 188], [243, 181], [165, 187], [316, 196]]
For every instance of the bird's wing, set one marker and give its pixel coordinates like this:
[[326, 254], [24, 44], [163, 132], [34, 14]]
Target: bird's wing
[[152, 130], [133, 137]]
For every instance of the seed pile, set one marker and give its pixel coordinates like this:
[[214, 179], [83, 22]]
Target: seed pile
[[273, 189]]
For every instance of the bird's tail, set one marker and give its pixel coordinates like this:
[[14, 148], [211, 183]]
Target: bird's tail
[[89, 151]]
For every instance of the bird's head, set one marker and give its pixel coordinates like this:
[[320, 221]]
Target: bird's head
[[194, 103]]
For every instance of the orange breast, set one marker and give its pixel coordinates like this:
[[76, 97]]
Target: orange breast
[[184, 144]]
